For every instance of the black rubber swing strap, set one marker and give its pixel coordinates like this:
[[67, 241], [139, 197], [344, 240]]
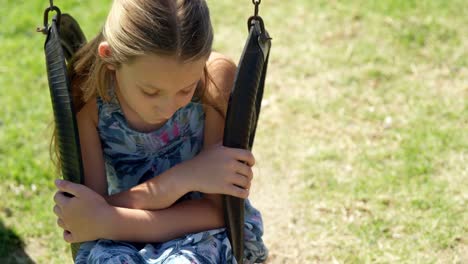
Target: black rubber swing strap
[[241, 120], [258, 102], [64, 116]]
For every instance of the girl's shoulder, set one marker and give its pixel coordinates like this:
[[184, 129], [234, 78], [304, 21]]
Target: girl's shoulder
[[220, 66], [89, 111], [217, 57], [222, 71]]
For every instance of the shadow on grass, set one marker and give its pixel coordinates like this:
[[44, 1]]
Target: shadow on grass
[[12, 247]]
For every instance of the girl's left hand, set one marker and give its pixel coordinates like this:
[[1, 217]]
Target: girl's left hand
[[83, 217]]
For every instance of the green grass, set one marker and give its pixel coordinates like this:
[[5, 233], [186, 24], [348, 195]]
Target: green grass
[[364, 134]]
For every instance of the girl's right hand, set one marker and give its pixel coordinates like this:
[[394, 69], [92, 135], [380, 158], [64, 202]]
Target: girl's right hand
[[219, 169]]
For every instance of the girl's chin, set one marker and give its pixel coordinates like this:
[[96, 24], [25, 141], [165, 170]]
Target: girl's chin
[[156, 121]]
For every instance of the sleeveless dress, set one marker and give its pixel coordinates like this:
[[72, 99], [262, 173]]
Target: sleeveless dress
[[132, 157]]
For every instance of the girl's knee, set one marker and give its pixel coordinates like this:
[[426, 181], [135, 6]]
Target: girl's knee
[[108, 251], [118, 258], [189, 257], [182, 258]]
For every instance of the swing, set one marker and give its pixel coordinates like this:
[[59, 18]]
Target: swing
[[64, 38]]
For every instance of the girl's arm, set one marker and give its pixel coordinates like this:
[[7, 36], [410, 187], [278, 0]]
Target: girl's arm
[[223, 72], [190, 216], [91, 152], [87, 216]]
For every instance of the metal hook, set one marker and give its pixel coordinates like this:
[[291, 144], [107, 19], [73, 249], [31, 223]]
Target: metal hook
[[256, 18], [51, 8]]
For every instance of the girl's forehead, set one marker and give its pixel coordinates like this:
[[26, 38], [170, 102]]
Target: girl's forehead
[[164, 69], [161, 61]]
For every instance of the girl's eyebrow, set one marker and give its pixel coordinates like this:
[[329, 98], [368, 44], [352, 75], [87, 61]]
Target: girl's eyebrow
[[156, 88]]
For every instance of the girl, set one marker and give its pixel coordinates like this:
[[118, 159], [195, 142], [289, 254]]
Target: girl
[[151, 94]]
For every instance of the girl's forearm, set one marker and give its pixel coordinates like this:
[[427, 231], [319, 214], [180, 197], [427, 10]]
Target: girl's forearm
[[162, 225], [160, 192]]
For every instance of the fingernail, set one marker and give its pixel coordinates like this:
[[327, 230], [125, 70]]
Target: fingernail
[[58, 182]]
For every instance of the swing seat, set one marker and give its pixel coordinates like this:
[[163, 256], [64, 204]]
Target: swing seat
[[65, 37]]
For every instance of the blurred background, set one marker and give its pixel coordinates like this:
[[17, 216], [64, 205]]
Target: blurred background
[[361, 146]]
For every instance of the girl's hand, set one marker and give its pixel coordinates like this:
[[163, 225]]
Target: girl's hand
[[219, 169], [83, 217]]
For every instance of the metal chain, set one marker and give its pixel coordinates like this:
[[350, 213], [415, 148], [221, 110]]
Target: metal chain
[[256, 3], [256, 18]]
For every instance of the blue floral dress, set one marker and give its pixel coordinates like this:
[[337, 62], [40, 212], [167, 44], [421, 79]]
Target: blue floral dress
[[132, 157]]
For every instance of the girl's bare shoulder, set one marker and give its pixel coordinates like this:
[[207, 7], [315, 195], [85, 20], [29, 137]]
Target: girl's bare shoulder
[[222, 71], [218, 59], [89, 111]]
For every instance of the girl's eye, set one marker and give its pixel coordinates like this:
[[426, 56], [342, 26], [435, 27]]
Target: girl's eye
[[150, 94], [185, 92]]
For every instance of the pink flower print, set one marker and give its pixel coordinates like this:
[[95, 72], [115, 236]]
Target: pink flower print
[[175, 130], [165, 137]]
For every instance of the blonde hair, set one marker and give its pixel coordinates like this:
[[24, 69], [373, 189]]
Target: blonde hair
[[133, 28]]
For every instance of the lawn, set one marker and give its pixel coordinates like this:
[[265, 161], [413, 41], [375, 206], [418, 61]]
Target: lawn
[[362, 144]]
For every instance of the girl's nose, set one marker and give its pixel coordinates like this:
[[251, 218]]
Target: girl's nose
[[169, 108]]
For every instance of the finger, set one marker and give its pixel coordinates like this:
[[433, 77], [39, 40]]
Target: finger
[[214, 145], [240, 180], [67, 236], [70, 187], [242, 155], [238, 192], [60, 199], [61, 223], [244, 169], [57, 211]]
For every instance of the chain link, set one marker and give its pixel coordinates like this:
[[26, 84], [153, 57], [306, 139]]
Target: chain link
[[44, 29], [256, 3]]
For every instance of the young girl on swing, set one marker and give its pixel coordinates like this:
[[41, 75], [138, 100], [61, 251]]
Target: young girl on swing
[[152, 100]]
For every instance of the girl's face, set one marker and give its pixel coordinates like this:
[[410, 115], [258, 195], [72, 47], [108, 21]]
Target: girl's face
[[154, 87]]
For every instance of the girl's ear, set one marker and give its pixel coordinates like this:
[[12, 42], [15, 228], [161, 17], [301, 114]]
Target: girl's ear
[[104, 51]]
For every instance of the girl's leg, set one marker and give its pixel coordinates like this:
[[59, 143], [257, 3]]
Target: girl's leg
[[113, 252], [209, 247], [83, 252]]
